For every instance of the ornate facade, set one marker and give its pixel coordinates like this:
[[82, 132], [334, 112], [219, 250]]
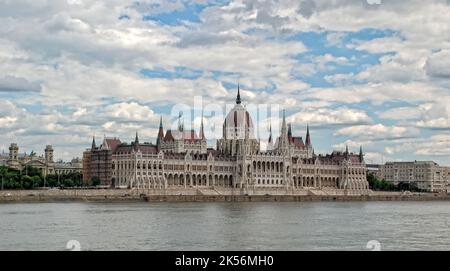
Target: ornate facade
[[181, 160], [45, 162]]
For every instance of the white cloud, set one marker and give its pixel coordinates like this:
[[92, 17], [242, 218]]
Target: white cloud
[[131, 112], [326, 116], [79, 56], [438, 64], [14, 84], [378, 132]]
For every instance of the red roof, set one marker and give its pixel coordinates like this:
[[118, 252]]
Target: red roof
[[298, 142], [113, 143], [187, 136], [168, 137], [143, 148]]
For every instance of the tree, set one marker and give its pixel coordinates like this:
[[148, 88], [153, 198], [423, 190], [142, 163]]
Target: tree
[[37, 181], [68, 183], [377, 185], [95, 181], [27, 182], [51, 180]]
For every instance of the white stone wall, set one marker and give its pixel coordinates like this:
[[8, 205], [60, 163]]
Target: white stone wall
[[259, 171]]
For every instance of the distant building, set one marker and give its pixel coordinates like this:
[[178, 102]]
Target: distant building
[[64, 168], [427, 175], [447, 173], [45, 163], [373, 168], [3, 159]]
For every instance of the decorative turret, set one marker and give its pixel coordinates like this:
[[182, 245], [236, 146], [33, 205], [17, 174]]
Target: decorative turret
[[238, 98], [49, 154], [180, 122], [270, 134], [289, 132], [160, 137], [105, 145], [361, 155], [202, 130], [284, 140], [93, 143], [308, 136], [136, 140], [13, 152], [270, 142]]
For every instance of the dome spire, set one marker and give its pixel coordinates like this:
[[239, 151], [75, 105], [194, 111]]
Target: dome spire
[[238, 98]]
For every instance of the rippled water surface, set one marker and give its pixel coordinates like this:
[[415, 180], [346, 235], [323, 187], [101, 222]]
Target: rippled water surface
[[226, 226]]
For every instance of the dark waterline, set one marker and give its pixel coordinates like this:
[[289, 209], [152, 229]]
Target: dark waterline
[[226, 226]]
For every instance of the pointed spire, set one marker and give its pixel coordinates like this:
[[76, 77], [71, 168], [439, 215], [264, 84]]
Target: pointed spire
[[308, 136], [238, 98], [224, 129], [93, 143], [180, 121], [202, 129], [289, 132], [270, 134], [284, 140], [346, 149], [361, 154], [136, 140], [160, 133], [105, 145]]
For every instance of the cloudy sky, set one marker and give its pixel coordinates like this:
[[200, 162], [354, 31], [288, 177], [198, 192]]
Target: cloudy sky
[[361, 72]]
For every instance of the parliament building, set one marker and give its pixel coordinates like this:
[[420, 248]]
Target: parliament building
[[181, 162]]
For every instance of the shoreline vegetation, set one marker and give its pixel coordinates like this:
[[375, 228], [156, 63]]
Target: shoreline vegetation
[[32, 178]]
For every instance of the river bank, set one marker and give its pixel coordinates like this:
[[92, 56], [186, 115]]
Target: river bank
[[195, 195]]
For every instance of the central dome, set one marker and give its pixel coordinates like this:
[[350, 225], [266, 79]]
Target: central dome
[[238, 122]]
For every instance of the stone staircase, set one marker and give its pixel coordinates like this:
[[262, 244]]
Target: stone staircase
[[208, 192], [317, 192]]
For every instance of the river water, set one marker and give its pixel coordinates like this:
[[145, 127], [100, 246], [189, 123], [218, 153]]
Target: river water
[[226, 226]]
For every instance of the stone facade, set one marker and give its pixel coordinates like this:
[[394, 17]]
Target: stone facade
[[97, 162], [427, 175], [237, 163], [45, 163]]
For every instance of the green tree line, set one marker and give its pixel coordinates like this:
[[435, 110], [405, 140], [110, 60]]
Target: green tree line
[[32, 178], [383, 185]]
